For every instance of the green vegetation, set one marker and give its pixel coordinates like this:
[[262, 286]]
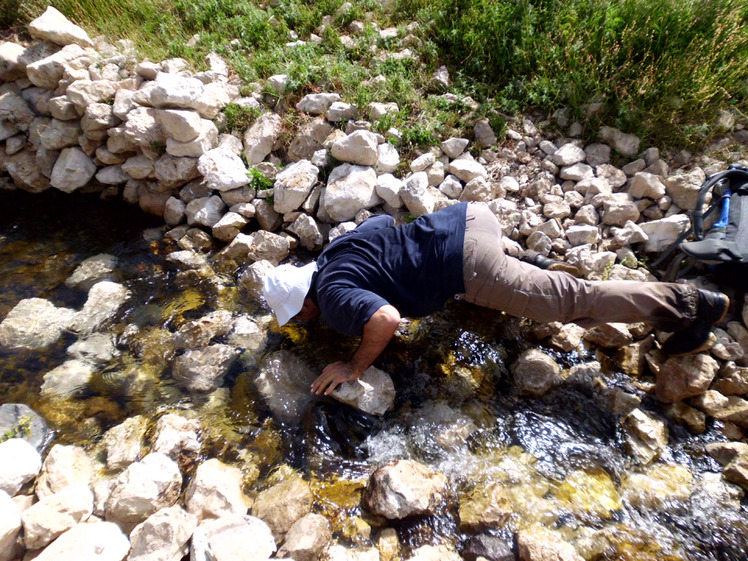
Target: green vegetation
[[239, 117], [258, 180], [660, 68], [21, 430]]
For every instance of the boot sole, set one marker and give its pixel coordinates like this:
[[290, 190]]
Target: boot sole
[[705, 346]]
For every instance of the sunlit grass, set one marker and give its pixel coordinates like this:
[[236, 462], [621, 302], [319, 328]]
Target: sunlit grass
[[661, 68]]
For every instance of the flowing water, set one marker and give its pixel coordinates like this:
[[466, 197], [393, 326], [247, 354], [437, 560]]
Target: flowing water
[[560, 460]]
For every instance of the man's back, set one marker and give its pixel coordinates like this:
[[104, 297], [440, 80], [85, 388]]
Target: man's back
[[415, 268]]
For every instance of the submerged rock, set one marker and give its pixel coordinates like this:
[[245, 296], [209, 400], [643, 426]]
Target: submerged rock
[[284, 381], [34, 323], [403, 488], [307, 538], [373, 392], [203, 370], [215, 491], [283, 504], [535, 372], [19, 420]]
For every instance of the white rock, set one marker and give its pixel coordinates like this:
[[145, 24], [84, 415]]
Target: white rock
[[104, 300], [68, 379], [260, 138], [112, 175], [181, 125], [55, 514], [625, 144], [171, 90], [10, 68], [465, 169], [373, 392], [317, 104], [216, 491], [379, 110], [577, 172], [142, 489], [232, 537], [205, 211], [645, 184], [20, 462], [215, 97], [223, 170], [34, 323], [15, 110], [416, 196], [83, 93], [163, 536], [97, 541], [308, 231], [229, 226], [388, 158], [350, 188], [453, 147], [138, 167], [54, 27], [583, 234], [422, 162], [389, 187], [535, 372], [339, 111], [174, 211], [664, 232], [569, 154], [64, 466], [177, 436], [359, 147], [293, 185], [10, 527], [59, 134], [72, 170], [451, 187]]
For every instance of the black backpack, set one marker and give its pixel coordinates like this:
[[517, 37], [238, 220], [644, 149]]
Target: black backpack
[[726, 241]]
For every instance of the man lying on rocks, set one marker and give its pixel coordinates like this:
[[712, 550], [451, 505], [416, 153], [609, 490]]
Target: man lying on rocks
[[364, 281]]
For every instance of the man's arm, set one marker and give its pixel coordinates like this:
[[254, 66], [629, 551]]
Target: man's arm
[[377, 333]]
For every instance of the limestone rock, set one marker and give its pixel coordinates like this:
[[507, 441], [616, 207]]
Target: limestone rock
[[683, 187], [307, 538], [123, 443], [569, 154], [453, 147], [293, 185], [10, 527], [625, 144], [232, 537], [663, 233], [177, 437], [15, 417], [10, 68], [260, 138], [283, 381], [359, 147], [682, 377], [206, 211], [434, 553], [258, 246], [163, 536], [658, 486], [64, 466], [104, 300], [389, 188], [416, 196], [725, 408], [388, 158], [102, 541], [202, 370], [223, 170], [403, 488], [34, 323], [646, 435], [72, 170], [610, 335], [648, 185], [373, 392], [216, 491], [535, 372], [350, 188], [283, 504], [317, 104], [143, 488], [465, 169], [55, 514], [67, 380], [308, 231], [252, 277], [54, 27], [20, 462], [485, 507], [535, 543]]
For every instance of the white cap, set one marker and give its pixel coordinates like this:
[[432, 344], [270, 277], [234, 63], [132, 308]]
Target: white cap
[[285, 288]]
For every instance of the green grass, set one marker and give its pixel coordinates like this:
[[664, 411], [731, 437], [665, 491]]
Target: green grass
[[663, 68]]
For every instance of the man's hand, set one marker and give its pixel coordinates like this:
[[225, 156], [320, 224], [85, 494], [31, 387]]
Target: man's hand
[[332, 376], [377, 333]]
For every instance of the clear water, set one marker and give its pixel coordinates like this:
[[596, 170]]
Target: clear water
[[456, 409]]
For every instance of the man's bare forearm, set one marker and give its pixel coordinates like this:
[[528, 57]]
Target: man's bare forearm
[[377, 333]]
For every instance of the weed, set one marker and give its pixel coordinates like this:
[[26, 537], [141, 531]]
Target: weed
[[258, 181], [21, 430], [239, 117]]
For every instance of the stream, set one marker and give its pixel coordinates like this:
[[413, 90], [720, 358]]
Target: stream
[[561, 459]]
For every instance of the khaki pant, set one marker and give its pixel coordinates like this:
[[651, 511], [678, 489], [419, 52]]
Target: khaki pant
[[499, 281]]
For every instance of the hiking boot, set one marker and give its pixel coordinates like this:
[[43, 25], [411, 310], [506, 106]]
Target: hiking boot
[[544, 262], [711, 309]]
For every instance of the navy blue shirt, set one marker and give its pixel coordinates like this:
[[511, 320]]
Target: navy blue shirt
[[416, 268]]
